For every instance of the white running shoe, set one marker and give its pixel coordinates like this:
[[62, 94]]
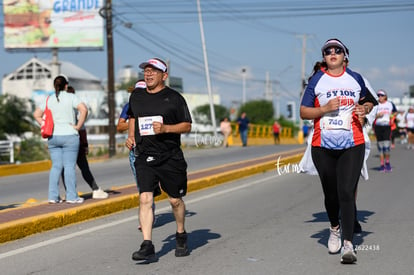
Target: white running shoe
[[99, 194], [334, 242], [77, 200], [55, 201], [348, 255]]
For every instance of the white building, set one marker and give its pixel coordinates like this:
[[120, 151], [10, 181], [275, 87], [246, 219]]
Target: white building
[[33, 80], [38, 75]]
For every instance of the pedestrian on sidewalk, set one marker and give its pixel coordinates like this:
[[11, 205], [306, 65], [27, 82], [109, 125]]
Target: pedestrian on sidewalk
[[276, 132], [243, 123], [225, 128], [82, 162], [338, 142], [64, 143], [158, 117]]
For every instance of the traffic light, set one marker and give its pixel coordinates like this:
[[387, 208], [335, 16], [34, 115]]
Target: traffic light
[[289, 109]]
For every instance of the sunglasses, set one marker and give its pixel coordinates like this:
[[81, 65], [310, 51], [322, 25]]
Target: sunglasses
[[337, 50], [380, 95]]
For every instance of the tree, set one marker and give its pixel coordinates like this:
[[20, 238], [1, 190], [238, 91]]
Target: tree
[[258, 111], [32, 149], [202, 113], [128, 86], [15, 116], [287, 123]]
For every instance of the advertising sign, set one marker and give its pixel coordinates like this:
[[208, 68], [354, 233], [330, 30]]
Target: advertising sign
[[31, 24]]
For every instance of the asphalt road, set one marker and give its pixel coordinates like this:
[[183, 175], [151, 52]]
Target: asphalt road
[[116, 172], [272, 223]]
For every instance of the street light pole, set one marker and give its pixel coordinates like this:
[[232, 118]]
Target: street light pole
[[244, 84], [302, 87], [210, 92]]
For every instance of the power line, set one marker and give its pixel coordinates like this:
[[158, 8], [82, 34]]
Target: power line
[[173, 13]]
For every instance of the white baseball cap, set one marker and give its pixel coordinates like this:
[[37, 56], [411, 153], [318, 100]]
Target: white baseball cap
[[140, 84], [156, 63]]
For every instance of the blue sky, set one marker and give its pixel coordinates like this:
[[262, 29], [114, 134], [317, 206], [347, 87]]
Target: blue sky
[[263, 37]]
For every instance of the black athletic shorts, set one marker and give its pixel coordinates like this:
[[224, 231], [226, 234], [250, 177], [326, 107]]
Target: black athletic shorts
[[171, 173], [383, 132]]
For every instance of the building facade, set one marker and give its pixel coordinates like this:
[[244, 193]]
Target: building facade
[[33, 80]]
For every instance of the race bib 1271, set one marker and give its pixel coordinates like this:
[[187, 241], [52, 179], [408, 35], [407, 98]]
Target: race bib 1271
[[145, 124]]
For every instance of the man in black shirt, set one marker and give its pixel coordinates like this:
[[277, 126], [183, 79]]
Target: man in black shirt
[[158, 117]]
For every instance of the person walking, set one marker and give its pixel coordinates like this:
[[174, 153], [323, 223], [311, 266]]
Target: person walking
[[82, 162], [225, 128], [158, 117], [338, 142], [64, 143], [243, 123], [382, 129], [276, 132], [305, 130]]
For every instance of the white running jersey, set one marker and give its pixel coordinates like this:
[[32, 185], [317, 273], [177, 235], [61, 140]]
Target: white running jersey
[[410, 120], [339, 129], [384, 113], [401, 120]]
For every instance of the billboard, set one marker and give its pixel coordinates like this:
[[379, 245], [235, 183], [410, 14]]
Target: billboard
[[34, 24]]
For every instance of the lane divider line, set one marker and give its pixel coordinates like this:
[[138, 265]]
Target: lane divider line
[[125, 220], [21, 228]]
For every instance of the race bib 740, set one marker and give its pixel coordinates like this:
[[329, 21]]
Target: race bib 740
[[339, 122]]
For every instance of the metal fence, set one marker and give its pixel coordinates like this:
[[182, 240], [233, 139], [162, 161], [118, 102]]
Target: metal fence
[[7, 149]]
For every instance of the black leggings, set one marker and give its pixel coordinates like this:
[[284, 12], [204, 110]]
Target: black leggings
[[339, 172], [83, 165]]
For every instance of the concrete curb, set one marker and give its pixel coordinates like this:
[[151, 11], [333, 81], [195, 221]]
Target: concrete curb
[[25, 168], [18, 229], [33, 167]]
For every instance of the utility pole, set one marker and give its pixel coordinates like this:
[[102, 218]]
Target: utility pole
[[243, 71], [107, 14], [268, 88], [55, 63], [302, 87], [210, 92]]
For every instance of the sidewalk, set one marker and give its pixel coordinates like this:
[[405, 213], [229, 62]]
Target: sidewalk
[[19, 222]]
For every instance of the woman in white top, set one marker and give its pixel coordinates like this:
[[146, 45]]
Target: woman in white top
[[337, 99], [64, 143], [409, 121]]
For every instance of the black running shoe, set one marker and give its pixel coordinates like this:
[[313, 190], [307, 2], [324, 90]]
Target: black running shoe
[[146, 252], [181, 249]]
